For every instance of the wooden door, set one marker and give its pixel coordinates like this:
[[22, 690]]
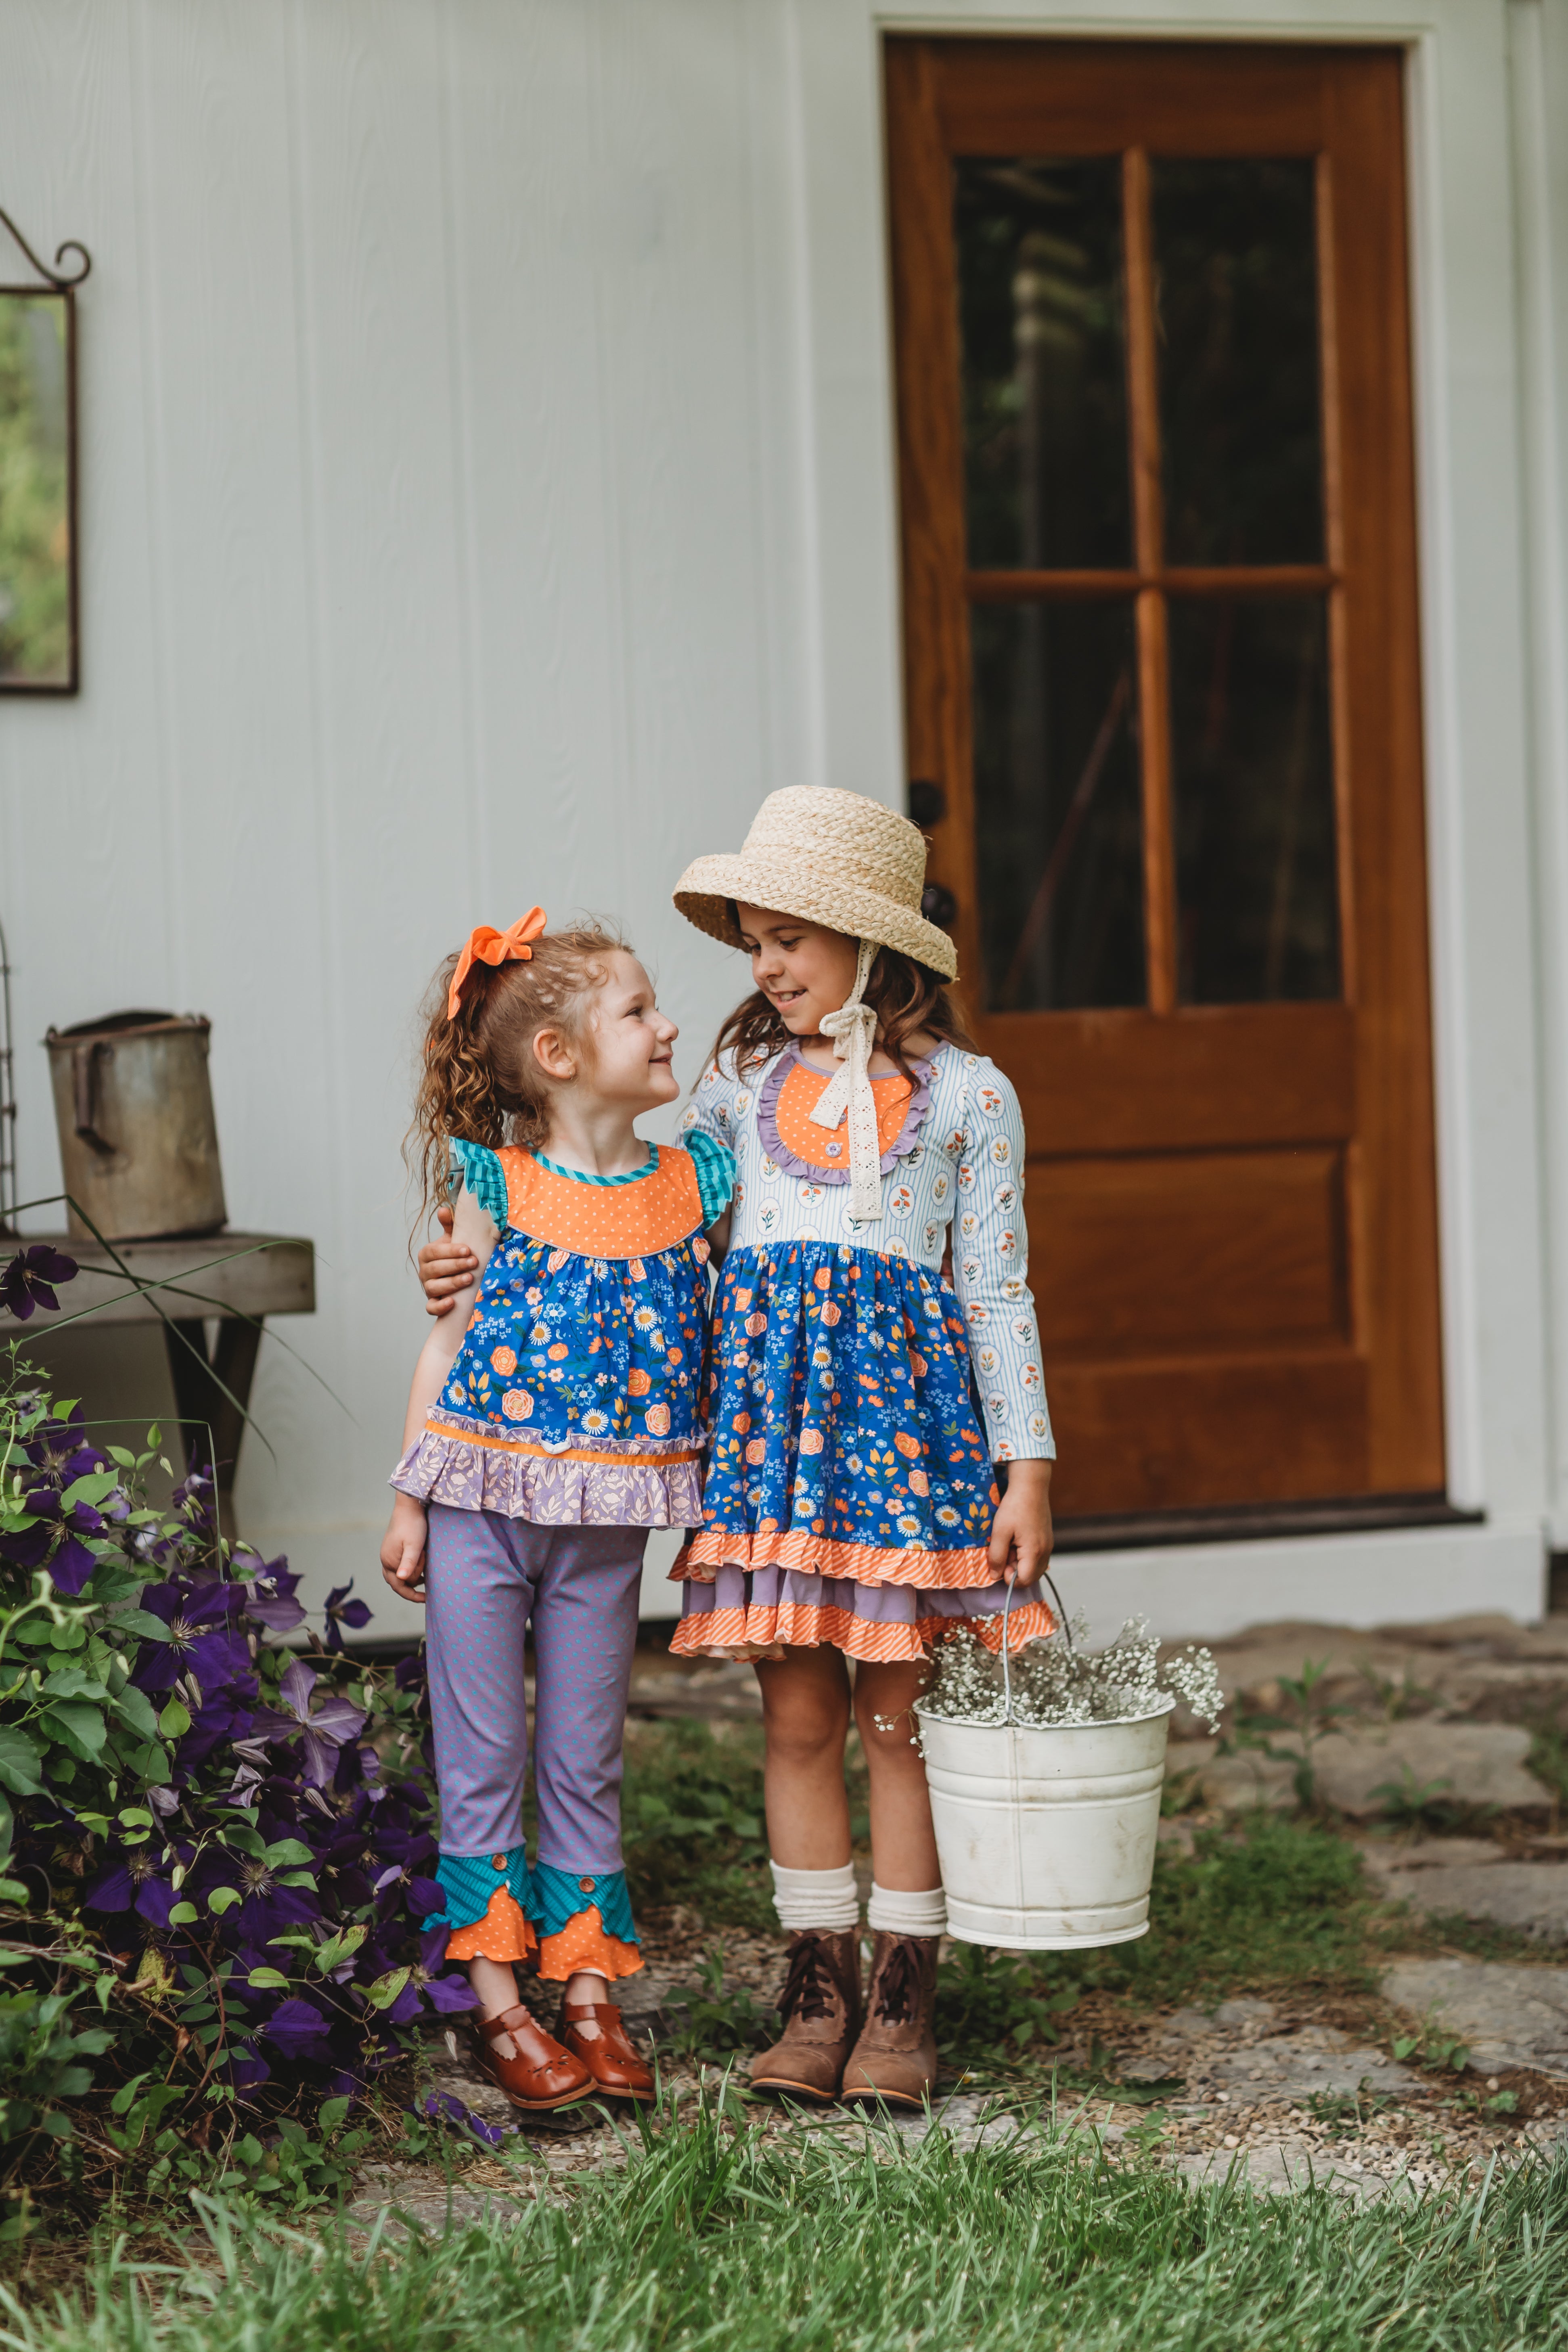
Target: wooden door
[[1163, 726]]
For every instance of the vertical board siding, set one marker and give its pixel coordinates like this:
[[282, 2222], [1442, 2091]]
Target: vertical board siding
[[441, 551]]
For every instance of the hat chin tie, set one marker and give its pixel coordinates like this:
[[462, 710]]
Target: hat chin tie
[[853, 1029]]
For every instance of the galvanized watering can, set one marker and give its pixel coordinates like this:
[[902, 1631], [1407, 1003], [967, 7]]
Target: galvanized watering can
[[137, 1139]]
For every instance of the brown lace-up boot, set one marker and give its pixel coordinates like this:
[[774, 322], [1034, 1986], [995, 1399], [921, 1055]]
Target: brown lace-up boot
[[820, 2005], [894, 2061]]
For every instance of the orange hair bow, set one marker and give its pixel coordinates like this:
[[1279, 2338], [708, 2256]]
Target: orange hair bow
[[487, 945]]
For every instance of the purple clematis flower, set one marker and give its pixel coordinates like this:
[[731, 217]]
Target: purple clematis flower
[[132, 1884], [326, 1727], [29, 1278], [204, 1641], [269, 1598], [298, 2028], [441, 2108], [54, 1538], [248, 2070], [342, 1612], [70, 1567], [447, 1994], [225, 1713], [54, 1441], [268, 1908]]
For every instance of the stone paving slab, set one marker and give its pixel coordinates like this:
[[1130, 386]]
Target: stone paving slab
[[1530, 1896], [1389, 1862], [1297, 2066], [1477, 1764], [1287, 2167], [1510, 2015]]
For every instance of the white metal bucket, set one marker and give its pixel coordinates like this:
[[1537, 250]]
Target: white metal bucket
[[1046, 1835]]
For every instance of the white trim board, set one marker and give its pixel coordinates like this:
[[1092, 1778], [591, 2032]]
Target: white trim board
[[1403, 1576]]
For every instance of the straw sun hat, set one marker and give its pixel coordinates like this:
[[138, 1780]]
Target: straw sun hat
[[833, 858]]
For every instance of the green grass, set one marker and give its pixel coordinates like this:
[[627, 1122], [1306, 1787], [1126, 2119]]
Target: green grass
[[691, 1812], [717, 2237], [691, 1818], [1272, 1903]]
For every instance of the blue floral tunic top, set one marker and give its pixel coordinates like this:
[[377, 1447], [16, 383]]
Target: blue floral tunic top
[[576, 1398], [849, 1492]]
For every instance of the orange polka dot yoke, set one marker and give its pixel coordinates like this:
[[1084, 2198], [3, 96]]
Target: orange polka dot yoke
[[576, 1395]]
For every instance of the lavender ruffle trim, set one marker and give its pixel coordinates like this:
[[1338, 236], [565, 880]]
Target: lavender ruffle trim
[[870, 1605], [551, 1490], [773, 1143]]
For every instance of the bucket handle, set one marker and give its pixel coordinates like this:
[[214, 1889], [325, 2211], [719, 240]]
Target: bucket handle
[[84, 1090], [1006, 1658]]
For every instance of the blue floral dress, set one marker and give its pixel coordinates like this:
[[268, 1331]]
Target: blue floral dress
[[577, 1396], [849, 1492]]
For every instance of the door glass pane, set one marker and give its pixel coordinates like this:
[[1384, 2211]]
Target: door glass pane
[[1045, 415], [1057, 821], [1258, 901], [1237, 291]]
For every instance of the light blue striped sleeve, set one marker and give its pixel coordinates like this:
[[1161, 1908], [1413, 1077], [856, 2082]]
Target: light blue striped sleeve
[[991, 1270], [715, 1165], [476, 1165]]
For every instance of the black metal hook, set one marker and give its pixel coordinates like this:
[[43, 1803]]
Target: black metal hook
[[56, 276]]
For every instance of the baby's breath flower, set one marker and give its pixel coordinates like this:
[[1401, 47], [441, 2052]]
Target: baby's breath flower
[[1057, 1683]]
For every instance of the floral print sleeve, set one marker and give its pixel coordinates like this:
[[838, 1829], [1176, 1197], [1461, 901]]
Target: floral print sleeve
[[991, 1267], [713, 1109]]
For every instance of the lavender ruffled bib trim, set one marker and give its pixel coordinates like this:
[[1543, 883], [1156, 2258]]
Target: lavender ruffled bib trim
[[773, 1143], [640, 1485]]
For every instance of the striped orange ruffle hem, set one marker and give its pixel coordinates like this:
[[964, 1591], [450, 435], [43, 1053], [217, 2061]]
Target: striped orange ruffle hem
[[798, 1549], [757, 1632]]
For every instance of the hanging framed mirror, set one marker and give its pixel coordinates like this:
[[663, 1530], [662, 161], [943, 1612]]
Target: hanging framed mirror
[[39, 651]]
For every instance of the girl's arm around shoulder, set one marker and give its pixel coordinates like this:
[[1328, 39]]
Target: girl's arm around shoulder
[[403, 1548], [447, 1267], [715, 1165]]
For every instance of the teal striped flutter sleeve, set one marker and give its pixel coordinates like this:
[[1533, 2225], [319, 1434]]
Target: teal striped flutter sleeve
[[476, 1165], [715, 1165]]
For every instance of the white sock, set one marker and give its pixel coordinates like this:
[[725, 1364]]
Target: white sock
[[816, 1898], [896, 1913]]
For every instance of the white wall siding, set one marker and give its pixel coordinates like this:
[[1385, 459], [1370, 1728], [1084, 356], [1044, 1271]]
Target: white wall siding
[[489, 494]]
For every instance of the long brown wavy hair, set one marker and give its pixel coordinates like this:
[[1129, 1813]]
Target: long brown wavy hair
[[907, 997], [478, 1080]]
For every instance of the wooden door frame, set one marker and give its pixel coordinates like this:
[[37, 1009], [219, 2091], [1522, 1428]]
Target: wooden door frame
[[1344, 107]]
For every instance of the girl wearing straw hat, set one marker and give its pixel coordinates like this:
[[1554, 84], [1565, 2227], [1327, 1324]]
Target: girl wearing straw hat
[[850, 1508]]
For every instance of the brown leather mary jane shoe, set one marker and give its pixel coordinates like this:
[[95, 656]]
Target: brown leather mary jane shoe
[[617, 2070], [540, 2074]]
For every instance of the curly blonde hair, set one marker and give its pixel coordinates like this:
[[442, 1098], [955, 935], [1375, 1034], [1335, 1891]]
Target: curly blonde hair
[[479, 1079]]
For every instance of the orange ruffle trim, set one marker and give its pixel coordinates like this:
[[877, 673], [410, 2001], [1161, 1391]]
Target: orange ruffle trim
[[757, 1632], [505, 1933], [806, 1553], [584, 1944]]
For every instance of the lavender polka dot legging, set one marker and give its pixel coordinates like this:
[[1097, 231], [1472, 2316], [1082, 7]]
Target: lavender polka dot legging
[[486, 1577]]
